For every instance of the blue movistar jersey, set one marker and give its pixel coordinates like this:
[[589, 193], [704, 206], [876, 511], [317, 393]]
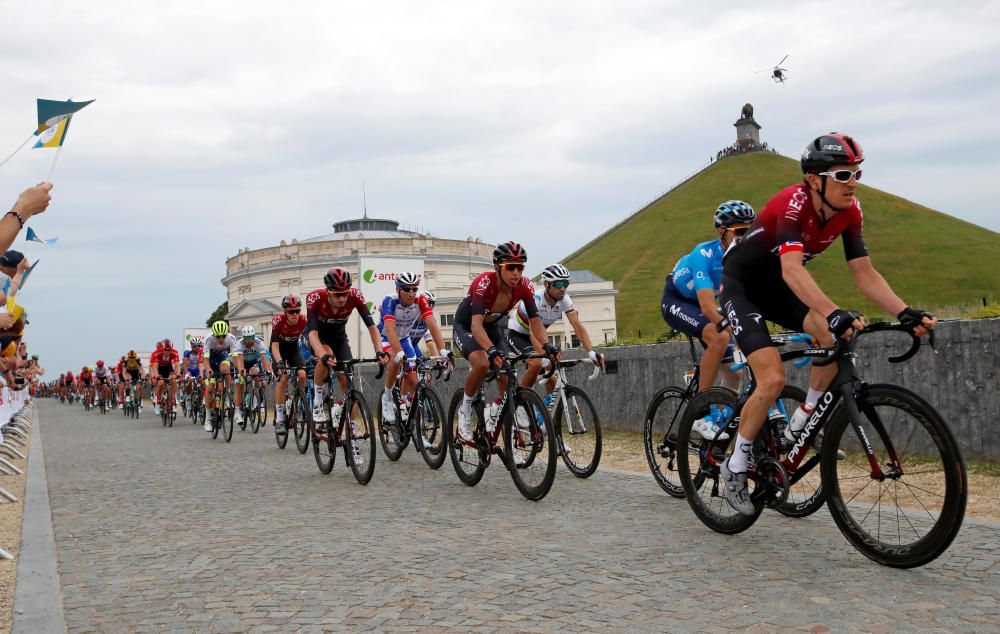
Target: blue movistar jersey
[[700, 269]]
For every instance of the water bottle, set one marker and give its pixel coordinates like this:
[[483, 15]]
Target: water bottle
[[335, 412]]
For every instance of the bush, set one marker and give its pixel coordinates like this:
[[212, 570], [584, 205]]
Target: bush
[[987, 312]]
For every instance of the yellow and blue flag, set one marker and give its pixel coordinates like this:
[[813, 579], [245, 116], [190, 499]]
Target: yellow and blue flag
[[53, 120]]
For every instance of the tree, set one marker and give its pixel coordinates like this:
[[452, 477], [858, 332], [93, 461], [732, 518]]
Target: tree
[[219, 314]]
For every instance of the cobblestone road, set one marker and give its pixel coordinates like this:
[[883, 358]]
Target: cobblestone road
[[165, 530]]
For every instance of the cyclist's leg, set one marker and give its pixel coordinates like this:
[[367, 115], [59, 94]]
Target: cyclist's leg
[[409, 367], [478, 367], [519, 343], [341, 346]]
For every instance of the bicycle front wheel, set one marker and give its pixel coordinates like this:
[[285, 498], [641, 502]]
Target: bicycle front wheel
[[303, 414], [430, 419], [324, 444], [390, 436], [262, 405], [659, 438], [227, 419], [579, 432], [360, 435], [469, 461], [530, 444], [912, 515], [698, 467]]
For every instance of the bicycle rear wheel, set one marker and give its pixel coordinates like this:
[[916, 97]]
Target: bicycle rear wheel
[[390, 436], [227, 418], [806, 496], [254, 413], [530, 445], [217, 416], [303, 416], [659, 436], [911, 517], [579, 432], [702, 482], [469, 462], [261, 406], [430, 423], [360, 446], [324, 449]]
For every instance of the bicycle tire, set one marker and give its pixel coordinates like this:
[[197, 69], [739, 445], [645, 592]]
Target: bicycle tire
[[578, 449], [216, 422], [805, 496], [227, 419], [953, 479], [390, 436], [660, 440], [521, 459], [360, 433], [429, 420], [324, 451], [303, 422], [255, 420], [262, 405], [469, 463], [714, 511]]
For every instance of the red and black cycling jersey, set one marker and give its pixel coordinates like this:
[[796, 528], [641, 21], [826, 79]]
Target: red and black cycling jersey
[[164, 357], [483, 293], [323, 316], [789, 223], [282, 330]]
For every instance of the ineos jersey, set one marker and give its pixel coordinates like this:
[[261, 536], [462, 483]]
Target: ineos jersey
[[483, 294], [548, 313], [789, 223], [321, 315], [405, 316], [283, 330]]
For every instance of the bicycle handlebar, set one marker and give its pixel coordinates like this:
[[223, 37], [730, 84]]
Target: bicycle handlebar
[[845, 346]]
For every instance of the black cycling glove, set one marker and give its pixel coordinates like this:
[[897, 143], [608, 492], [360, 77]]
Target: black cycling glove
[[550, 349], [913, 317], [840, 321], [493, 353]]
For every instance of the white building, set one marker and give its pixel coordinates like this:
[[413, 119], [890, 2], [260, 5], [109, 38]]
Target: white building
[[257, 279]]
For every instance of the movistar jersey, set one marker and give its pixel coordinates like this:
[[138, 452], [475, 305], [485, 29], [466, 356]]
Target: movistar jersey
[[549, 313], [700, 269]]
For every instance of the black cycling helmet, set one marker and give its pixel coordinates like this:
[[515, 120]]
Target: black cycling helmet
[[337, 280], [734, 212], [831, 149], [509, 252]]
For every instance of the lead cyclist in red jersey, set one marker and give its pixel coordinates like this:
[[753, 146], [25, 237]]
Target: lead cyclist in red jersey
[[478, 330], [764, 279]]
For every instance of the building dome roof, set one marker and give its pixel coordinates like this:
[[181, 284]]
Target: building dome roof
[[364, 228]]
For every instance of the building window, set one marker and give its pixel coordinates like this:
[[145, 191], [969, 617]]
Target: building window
[[576, 341], [556, 340], [447, 320]]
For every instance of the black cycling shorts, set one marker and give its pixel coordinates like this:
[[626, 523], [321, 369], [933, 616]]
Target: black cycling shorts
[[464, 341], [337, 340], [749, 306], [165, 371], [134, 374], [519, 343], [290, 354], [681, 313]]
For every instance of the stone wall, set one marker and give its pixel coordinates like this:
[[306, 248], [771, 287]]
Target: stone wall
[[961, 380]]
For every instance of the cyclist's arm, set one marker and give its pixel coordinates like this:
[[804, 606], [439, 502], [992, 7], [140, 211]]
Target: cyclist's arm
[[581, 332], [794, 272], [389, 330], [275, 350], [479, 332], [706, 301], [538, 331], [871, 283]]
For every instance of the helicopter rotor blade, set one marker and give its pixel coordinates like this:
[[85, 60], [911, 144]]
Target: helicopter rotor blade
[[782, 60]]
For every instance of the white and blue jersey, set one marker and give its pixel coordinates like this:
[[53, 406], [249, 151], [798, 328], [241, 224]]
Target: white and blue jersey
[[405, 316], [252, 354], [700, 269]]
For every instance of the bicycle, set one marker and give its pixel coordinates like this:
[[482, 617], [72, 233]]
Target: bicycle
[[353, 430], [223, 411], [132, 403], [572, 410], [196, 402], [253, 403], [667, 408], [529, 449], [866, 485], [297, 412], [167, 403], [422, 419]]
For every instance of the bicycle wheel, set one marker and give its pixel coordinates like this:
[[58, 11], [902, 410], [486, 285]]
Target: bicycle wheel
[[806, 496], [699, 475], [469, 461], [281, 437], [255, 413], [217, 415], [659, 435], [390, 435], [579, 432], [360, 436], [912, 516], [324, 449], [303, 415], [429, 420], [530, 444], [262, 405], [227, 418]]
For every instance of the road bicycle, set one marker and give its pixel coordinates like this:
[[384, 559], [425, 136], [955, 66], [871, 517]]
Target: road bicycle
[[298, 407], [224, 411], [168, 412], [577, 426], [254, 406], [349, 425], [421, 419], [893, 475], [529, 446]]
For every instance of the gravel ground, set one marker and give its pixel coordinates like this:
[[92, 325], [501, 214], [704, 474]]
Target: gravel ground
[[10, 538]]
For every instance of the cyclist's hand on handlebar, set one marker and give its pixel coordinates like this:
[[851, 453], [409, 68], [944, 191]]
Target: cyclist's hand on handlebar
[[328, 360], [842, 323], [495, 356], [551, 350], [279, 366], [597, 359], [383, 357], [920, 321]]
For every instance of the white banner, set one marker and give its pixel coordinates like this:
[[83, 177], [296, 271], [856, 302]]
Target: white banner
[[378, 279]]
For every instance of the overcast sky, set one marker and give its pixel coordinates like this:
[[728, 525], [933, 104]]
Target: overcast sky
[[220, 125]]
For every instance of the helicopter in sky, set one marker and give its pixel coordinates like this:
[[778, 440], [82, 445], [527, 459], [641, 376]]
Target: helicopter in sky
[[778, 74]]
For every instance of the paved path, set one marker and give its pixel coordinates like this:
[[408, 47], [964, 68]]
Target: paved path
[[166, 530]]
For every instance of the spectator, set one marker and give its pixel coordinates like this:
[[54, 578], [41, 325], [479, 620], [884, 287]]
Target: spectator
[[13, 264], [31, 202]]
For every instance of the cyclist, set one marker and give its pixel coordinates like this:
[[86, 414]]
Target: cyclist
[[103, 376], [191, 365], [87, 384], [553, 302], [478, 330], [131, 371], [286, 329], [328, 310], [399, 312], [689, 303], [420, 331], [166, 361], [765, 279], [251, 359], [218, 349], [69, 384]]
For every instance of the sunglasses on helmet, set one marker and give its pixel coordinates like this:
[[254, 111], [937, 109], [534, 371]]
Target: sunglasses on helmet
[[843, 176]]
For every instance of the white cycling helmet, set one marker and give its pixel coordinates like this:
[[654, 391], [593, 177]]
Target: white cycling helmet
[[431, 298], [247, 332], [407, 279], [555, 273]]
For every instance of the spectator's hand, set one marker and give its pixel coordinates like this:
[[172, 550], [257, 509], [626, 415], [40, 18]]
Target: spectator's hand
[[6, 321], [21, 268], [33, 200]]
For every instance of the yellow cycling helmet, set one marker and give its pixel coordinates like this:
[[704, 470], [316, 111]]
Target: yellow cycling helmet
[[220, 329], [132, 354]]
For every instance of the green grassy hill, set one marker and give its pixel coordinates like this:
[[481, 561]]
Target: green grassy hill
[[932, 260]]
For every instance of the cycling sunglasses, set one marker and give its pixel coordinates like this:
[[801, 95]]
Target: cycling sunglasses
[[513, 266], [561, 284], [293, 311], [409, 289], [739, 231], [843, 176], [339, 293]]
